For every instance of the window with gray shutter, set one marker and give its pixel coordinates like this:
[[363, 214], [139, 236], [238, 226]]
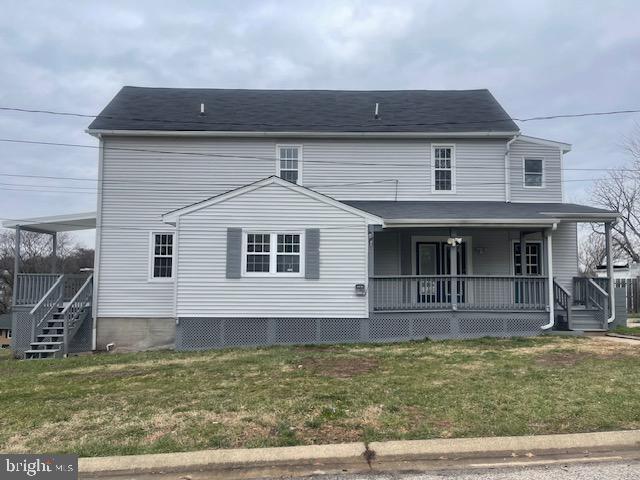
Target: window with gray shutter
[[234, 252], [312, 253]]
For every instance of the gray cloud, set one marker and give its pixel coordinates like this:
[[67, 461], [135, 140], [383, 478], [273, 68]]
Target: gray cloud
[[537, 58]]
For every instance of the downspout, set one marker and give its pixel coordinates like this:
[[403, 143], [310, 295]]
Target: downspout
[[612, 299], [507, 169], [550, 276]]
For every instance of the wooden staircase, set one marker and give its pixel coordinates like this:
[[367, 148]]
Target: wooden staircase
[[49, 343], [55, 322], [586, 309]]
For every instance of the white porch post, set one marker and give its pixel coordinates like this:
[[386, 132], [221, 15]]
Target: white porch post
[[612, 300], [550, 300], [16, 266], [453, 271]]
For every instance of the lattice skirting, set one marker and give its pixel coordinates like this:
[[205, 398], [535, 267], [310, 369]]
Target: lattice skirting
[[21, 333], [205, 333]]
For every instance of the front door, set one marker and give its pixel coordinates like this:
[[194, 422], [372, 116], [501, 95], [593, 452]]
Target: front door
[[433, 258]]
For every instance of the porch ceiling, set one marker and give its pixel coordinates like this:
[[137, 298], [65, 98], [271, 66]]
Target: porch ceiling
[[481, 213], [55, 223]]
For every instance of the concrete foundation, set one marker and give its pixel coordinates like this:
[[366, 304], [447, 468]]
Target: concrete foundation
[[130, 334]]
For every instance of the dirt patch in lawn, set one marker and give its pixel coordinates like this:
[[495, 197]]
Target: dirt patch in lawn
[[340, 367], [594, 349]]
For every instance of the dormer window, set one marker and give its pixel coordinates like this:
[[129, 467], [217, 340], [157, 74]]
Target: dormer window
[[443, 175], [289, 163]]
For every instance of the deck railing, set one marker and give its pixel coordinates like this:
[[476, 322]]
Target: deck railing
[[31, 287], [472, 292]]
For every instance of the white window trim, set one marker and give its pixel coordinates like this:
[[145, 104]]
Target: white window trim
[[543, 266], [151, 278], [273, 253], [300, 159], [452, 146], [524, 172]]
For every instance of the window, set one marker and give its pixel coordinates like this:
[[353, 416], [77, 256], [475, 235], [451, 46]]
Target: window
[[161, 256], [258, 252], [289, 163], [443, 174], [273, 253], [533, 258], [533, 172]]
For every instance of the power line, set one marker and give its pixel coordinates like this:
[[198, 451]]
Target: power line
[[372, 121]]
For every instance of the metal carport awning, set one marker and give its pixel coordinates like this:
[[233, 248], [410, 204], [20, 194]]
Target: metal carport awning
[[55, 223]]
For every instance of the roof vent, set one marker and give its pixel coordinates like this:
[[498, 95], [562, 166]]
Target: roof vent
[[376, 115], [202, 109]]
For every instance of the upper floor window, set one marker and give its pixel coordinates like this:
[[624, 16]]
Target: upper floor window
[[443, 178], [533, 172], [161, 267], [289, 163]]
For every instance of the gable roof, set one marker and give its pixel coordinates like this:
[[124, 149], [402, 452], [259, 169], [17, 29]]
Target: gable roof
[[172, 216], [340, 111]]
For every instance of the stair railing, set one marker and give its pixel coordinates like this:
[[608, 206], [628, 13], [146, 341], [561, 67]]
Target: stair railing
[[597, 296], [72, 315], [563, 299], [45, 308]]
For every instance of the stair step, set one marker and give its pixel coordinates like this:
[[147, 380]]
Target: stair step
[[48, 353], [45, 343], [50, 335]]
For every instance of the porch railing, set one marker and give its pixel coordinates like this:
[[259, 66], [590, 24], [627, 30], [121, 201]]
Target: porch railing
[[472, 292], [74, 313], [32, 287], [564, 300]]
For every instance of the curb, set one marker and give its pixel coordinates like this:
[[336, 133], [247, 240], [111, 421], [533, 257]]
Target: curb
[[354, 453]]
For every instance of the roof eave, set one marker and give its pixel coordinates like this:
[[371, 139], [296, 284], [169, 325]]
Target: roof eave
[[265, 134]]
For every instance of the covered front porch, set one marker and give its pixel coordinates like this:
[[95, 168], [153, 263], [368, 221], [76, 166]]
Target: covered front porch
[[506, 264]]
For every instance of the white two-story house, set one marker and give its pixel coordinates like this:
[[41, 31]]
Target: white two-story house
[[258, 217]]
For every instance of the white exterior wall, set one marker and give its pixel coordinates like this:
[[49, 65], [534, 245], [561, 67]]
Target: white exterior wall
[[565, 254], [551, 191], [142, 179], [204, 290]]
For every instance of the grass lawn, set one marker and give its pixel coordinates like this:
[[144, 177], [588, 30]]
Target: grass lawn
[[634, 331], [170, 401]]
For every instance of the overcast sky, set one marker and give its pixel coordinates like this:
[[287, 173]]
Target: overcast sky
[[538, 58]]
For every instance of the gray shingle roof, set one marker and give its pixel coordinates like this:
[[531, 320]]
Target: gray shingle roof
[[465, 210], [178, 109]]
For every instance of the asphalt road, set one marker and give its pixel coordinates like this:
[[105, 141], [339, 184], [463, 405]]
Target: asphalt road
[[597, 471]]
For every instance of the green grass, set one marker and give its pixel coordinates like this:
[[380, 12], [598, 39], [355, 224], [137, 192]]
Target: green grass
[[170, 401], [634, 331]]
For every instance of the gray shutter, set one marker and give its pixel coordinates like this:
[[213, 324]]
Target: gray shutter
[[312, 253], [234, 252]]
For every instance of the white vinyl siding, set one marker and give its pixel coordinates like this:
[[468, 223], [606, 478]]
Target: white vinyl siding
[[204, 290], [551, 189], [140, 186], [565, 254]]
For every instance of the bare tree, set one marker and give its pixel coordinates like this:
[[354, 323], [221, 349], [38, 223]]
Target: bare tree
[[620, 191], [592, 252]]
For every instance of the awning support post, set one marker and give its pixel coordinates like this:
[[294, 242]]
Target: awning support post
[[16, 265], [54, 252]]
